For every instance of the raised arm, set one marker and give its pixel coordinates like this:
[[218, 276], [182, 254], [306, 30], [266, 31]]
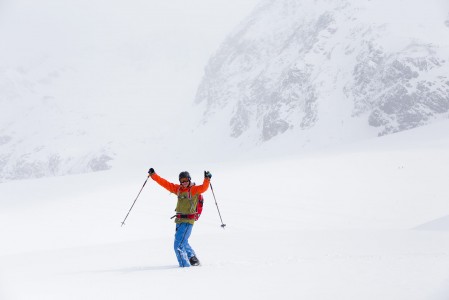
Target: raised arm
[[199, 189], [171, 187]]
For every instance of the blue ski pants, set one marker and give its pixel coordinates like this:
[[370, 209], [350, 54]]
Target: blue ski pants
[[182, 248]]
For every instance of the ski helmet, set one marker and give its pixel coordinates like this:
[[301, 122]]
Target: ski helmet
[[184, 174]]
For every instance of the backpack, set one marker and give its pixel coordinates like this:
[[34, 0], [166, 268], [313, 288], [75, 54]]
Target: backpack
[[199, 207]]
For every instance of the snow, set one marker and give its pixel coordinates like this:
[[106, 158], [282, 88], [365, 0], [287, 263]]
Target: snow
[[340, 223], [314, 67], [102, 76], [355, 220]]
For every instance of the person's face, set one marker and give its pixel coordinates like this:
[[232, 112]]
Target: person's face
[[184, 182]]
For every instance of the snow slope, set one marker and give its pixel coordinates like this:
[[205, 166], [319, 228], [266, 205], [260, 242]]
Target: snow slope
[[104, 77], [357, 221], [333, 71], [83, 81], [332, 224]]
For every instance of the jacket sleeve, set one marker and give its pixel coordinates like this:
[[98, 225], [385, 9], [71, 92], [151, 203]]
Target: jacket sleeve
[[199, 189], [171, 187]]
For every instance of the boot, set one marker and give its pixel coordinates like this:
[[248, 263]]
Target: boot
[[194, 261]]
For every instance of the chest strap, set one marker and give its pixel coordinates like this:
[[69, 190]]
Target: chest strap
[[184, 216]]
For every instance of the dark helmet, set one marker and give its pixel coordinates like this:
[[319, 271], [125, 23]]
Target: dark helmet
[[184, 174]]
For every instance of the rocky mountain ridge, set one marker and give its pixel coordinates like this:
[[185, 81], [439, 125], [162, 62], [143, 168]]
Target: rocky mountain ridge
[[302, 65]]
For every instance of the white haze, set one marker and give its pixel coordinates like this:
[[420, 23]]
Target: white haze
[[362, 220], [82, 81]]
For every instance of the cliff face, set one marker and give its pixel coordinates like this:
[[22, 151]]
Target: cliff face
[[299, 65]]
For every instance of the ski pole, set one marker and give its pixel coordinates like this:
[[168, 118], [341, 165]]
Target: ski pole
[[123, 223], [212, 189]]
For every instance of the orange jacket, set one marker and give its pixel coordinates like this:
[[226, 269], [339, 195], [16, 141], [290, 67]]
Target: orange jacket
[[174, 188]]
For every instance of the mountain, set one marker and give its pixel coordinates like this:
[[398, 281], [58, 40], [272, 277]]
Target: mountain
[[104, 77], [318, 71], [81, 83]]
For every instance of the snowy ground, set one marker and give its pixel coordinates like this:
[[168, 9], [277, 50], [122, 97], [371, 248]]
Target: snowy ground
[[362, 221]]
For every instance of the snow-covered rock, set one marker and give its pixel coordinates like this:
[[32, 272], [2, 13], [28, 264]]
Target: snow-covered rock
[[332, 65]]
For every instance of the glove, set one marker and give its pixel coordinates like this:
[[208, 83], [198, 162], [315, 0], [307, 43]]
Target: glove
[[207, 174], [151, 171]]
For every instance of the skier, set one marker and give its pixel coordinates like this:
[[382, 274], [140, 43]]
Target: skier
[[187, 193]]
